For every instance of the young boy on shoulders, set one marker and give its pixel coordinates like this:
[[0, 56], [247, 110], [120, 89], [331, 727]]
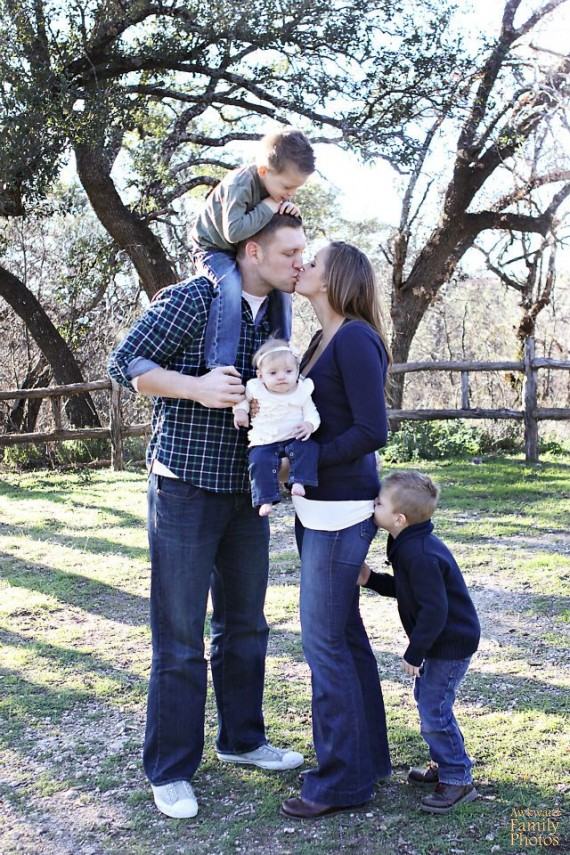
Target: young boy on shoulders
[[238, 207], [440, 620]]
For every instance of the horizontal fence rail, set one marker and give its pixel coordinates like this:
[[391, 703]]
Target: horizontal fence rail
[[117, 430]]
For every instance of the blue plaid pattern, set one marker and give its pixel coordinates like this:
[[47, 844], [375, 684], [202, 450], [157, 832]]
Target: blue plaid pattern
[[198, 444]]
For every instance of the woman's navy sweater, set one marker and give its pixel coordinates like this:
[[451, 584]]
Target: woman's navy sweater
[[349, 379], [433, 601]]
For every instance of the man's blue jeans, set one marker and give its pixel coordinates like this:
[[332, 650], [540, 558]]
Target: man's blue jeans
[[264, 462], [349, 722], [201, 540], [224, 320], [435, 692]]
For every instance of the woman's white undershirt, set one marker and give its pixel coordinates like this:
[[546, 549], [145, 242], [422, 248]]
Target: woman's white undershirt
[[332, 516]]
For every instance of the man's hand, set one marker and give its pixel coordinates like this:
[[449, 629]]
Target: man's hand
[[220, 387], [364, 574], [303, 431], [411, 670], [289, 208], [241, 419]]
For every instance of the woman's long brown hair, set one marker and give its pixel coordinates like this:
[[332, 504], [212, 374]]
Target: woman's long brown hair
[[351, 287]]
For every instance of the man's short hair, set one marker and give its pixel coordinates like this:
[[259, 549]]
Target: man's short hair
[[284, 148], [277, 221], [412, 494]]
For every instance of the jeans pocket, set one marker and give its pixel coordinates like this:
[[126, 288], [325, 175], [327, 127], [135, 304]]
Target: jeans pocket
[[176, 488]]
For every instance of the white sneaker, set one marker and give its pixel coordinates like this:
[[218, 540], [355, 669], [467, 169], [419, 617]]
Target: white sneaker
[[176, 800], [266, 757]]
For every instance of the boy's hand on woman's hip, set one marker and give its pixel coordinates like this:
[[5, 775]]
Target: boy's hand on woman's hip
[[411, 670], [364, 574]]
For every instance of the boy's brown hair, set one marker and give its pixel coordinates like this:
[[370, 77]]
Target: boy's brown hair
[[412, 494], [285, 147]]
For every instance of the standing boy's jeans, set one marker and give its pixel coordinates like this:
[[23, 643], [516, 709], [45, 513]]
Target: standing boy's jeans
[[349, 722], [224, 319], [201, 540], [264, 462], [435, 692]]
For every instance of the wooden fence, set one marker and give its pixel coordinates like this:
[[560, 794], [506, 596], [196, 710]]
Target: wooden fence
[[117, 430]]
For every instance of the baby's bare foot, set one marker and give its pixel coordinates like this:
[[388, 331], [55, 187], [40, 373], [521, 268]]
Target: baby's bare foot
[[265, 510], [297, 490]]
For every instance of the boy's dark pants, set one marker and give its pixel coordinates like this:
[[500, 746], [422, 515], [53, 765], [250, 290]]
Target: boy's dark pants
[[435, 692], [264, 462]]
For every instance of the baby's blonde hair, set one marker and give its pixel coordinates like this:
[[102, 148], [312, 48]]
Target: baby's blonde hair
[[412, 494], [273, 345]]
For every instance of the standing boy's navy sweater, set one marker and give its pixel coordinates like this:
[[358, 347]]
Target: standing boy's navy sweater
[[433, 601]]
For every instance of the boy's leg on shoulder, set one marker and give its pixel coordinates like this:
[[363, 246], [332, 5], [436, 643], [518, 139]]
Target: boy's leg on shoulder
[[224, 319], [280, 314], [435, 695]]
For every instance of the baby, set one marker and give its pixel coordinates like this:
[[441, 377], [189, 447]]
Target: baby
[[242, 204], [286, 419]]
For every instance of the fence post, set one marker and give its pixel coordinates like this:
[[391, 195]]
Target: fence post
[[465, 390], [56, 412], [115, 427], [530, 403]]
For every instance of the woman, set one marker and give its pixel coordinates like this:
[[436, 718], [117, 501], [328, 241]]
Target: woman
[[347, 360]]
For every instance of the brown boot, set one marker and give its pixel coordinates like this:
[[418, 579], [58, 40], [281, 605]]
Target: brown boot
[[446, 797], [429, 775]]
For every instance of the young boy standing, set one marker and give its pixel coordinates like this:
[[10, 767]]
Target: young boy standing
[[242, 204], [441, 623]]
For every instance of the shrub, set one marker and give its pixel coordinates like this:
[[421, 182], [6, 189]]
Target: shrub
[[433, 441]]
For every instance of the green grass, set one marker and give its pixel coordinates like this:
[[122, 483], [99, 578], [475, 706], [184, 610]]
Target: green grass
[[76, 653]]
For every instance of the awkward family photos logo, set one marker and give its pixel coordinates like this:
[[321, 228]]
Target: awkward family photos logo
[[535, 826]]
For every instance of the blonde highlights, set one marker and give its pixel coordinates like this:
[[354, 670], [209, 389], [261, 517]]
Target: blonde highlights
[[351, 287]]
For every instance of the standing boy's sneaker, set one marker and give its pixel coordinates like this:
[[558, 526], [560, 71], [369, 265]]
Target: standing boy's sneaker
[[429, 775], [176, 800], [446, 797]]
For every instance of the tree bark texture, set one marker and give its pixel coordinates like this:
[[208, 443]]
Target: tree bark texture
[[80, 411], [126, 228]]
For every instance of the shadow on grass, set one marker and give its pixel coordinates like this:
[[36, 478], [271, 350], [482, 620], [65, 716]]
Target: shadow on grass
[[90, 595], [82, 662], [84, 542]]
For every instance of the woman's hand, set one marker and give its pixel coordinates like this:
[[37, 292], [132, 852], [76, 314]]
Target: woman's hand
[[241, 419], [303, 431], [364, 574]]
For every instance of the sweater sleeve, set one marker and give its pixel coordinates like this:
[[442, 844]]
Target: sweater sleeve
[[310, 412], [362, 363], [237, 223], [428, 585], [382, 583]]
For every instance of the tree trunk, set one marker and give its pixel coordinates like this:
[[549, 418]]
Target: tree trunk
[[80, 409], [24, 413], [127, 230]]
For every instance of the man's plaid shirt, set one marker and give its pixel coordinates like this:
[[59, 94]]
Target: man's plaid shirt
[[197, 444]]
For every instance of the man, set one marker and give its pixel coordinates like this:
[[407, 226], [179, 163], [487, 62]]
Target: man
[[203, 531]]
